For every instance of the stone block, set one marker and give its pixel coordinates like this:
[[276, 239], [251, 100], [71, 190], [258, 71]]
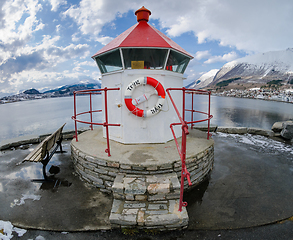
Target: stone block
[[158, 188], [155, 206], [116, 205], [156, 212], [117, 187], [113, 164], [98, 170], [130, 211], [125, 166], [138, 168], [129, 204], [135, 187], [152, 168], [107, 177], [122, 219], [90, 159], [140, 218], [129, 197], [143, 197], [156, 197], [166, 166], [161, 219], [174, 183], [175, 195], [118, 196], [119, 178]]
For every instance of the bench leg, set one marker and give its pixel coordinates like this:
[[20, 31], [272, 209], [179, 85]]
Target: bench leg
[[60, 146], [44, 172]]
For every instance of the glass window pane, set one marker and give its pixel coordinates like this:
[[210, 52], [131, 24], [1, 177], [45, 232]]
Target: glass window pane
[[138, 58], [177, 62], [109, 62]]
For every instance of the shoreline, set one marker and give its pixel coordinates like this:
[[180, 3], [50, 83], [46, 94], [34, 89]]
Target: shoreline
[[267, 100], [69, 134]]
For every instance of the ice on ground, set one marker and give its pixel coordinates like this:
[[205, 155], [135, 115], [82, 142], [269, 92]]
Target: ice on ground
[[6, 229], [259, 141], [25, 197]]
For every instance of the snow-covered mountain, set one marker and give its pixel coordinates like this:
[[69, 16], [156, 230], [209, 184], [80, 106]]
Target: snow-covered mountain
[[255, 69], [259, 68], [204, 80]]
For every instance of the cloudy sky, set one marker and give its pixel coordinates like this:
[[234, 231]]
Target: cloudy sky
[[49, 43]]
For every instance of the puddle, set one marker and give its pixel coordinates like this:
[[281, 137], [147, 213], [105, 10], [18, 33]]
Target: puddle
[[195, 195], [54, 183]]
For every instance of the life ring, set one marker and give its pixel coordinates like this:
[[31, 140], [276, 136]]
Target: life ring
[[130, 103]]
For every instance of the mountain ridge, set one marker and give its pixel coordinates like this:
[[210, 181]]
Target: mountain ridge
[[254, 70]]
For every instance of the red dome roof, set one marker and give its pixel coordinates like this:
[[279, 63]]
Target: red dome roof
[[142, 34]]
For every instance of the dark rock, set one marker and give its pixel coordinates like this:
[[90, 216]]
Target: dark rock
[[287, 131], [277, 127]]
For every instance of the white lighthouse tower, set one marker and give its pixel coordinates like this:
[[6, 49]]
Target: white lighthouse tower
[[144, 167], [143, 63]]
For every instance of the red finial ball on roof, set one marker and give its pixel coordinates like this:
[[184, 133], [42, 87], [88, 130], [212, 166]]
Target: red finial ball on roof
[[143, 14]]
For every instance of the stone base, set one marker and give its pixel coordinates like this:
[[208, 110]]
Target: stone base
[[148, 202], [94, 166]]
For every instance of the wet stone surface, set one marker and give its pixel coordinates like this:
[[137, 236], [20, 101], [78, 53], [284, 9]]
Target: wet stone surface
[[249, 186], [62, 203]]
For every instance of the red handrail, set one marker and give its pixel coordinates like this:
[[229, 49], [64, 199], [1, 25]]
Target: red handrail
[[91, 111], [182, 151]]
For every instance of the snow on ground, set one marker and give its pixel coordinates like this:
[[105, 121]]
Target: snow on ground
[[6, 230], [263, 143], [25, 197]]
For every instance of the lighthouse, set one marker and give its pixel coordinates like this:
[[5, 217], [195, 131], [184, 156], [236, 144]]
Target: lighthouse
[[143, 63], [146, 171]]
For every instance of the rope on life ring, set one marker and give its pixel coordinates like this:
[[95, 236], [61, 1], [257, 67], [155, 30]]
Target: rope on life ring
[[131, 103]]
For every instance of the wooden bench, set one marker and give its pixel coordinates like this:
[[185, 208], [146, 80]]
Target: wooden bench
[[42, 152]]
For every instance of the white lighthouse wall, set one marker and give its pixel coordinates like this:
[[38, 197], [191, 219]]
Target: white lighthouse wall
[[133, 129]]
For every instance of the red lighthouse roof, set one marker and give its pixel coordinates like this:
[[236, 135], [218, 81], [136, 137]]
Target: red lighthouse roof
[[142, 34]]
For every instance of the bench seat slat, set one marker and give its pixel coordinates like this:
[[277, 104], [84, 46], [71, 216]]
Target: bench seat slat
[[39, 153], [35, 154]]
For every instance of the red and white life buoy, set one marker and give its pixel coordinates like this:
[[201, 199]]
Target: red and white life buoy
[[131, 103]]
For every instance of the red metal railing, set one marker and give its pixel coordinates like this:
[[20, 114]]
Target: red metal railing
[[182, 151], [91, 111]]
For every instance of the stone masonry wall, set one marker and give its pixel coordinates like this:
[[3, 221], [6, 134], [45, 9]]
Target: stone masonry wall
[[101, 173]]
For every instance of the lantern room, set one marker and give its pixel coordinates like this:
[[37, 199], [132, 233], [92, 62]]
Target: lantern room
[[143, 63]]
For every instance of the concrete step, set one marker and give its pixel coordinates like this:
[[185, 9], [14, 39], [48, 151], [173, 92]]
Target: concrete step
[[150, 202]]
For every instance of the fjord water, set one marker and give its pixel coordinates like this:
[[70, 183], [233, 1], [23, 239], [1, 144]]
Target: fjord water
[[46, 115]]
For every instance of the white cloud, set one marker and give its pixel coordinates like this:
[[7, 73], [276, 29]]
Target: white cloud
[[247, 25], [56, 4], [92, 15], [202, 54], [225, 58]]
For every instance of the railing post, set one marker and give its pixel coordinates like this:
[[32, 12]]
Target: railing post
[[91, 111], [106, 123], [75, 123], [183, 104], [209, 116], [192, 110]]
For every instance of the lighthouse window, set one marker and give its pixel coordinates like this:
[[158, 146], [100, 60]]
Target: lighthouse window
[[144, 58], [177, 62], [109, 62]]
